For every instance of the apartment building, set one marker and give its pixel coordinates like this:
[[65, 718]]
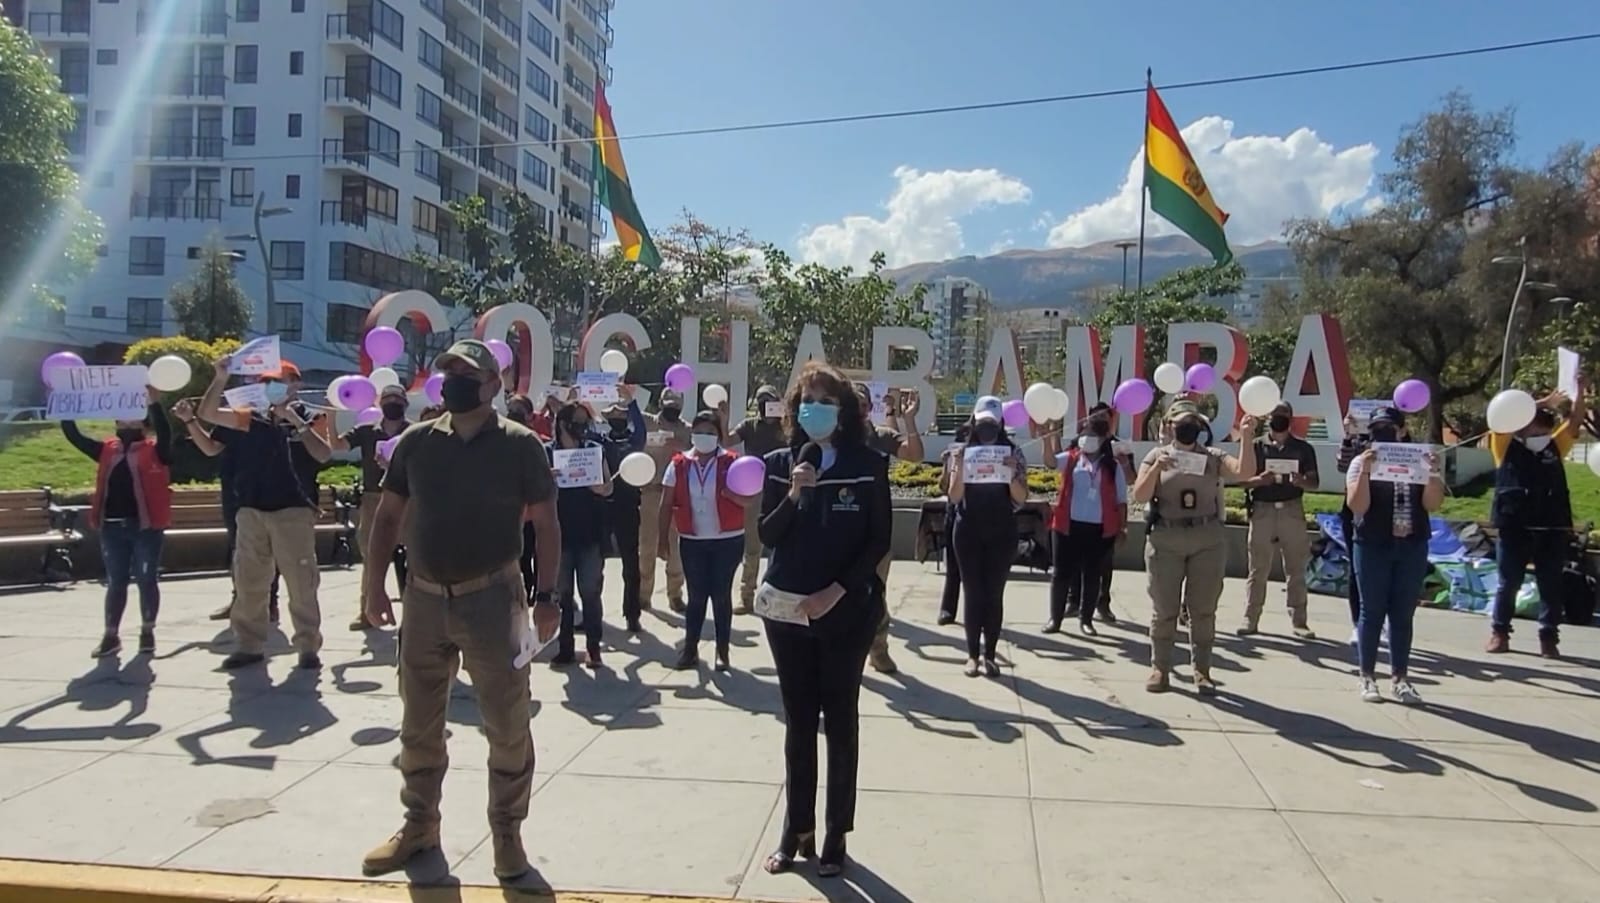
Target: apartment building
[[319, 140], [958, 310]]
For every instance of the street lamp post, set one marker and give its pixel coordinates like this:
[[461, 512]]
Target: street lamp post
[[1520, 260], [260, 213], [1125, 244]]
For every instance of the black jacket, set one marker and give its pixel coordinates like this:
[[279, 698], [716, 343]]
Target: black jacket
[[840, 538]]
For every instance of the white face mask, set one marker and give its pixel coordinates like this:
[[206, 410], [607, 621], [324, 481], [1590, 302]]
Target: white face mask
[[704, 443], [1089, 444], [1536, 444]]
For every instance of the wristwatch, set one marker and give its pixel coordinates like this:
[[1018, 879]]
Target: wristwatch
[[542, 597]]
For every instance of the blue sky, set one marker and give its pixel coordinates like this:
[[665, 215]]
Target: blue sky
[[1049, 175]]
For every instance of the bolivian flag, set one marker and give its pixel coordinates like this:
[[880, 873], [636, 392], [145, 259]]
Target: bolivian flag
[[616, 195], [1178, 192]]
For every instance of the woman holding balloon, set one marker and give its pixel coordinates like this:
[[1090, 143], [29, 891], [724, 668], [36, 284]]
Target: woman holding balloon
[[705, 499]]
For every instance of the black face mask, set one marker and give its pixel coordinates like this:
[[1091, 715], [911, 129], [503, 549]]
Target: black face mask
[[394, 411], [619, 425], [1279, 423], [578, 428], [986, 433], [671, 413], [1385, 433], [1186, 432], [130, 436], [462, 393]]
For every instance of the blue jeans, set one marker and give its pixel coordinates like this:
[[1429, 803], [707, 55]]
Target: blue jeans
[[1391, 575], [131, 555], [1546, 550], [708, 568], [584, 565]]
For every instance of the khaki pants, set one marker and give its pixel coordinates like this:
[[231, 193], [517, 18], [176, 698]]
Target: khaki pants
[[285, 540], [750, 572], [880, 638], [369, 513], [472, 630], [649, 541], [1278, 528], [1185, 567]]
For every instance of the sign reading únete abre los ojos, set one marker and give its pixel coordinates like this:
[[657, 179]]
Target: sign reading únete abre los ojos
[[1317, 383]]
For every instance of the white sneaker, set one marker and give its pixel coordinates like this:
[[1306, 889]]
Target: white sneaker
[[1405, 693], [1369, 690], [1355, 636]]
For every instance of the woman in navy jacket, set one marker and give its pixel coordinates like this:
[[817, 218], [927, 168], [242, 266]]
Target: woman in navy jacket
[[825, 515]]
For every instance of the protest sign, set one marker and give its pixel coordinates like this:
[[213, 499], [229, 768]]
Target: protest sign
[[985, 464], [1400, 462], [878, 391], [774, 409], [98, 393], [256, 357], [1362, 409], [575, 467], [251, 397], [598, 388], [1190, 462], [1287, 466], [1567, 362]]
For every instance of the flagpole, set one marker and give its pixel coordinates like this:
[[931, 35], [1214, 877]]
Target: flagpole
[[1143, 199]]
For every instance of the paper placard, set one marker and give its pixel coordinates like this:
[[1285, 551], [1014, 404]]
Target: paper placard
[[773, 409], [777, 605], [1400, 462], [1286, 466], [985, 464], [597, 388], [878, 391], [526, 637], [1190, 462], [559, 393], [1567, 362], [1362, 409], [98, 393], [252, 397], [575, 467], [257, 356], [657, 439]]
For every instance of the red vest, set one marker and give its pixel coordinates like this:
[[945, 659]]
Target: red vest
[[152, 483], [1110, 515], [730, 515]]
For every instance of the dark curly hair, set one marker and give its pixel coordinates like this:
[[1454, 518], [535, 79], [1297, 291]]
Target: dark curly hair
[[825, 380]]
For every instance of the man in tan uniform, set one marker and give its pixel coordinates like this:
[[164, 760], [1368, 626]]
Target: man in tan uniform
[[892, 441], [459, 487], [665, 435]]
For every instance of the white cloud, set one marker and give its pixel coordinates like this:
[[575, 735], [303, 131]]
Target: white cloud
[[1260, 180], [921, 221]]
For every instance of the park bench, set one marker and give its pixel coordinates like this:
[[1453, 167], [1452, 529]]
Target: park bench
[[28, 518], [198, 512]]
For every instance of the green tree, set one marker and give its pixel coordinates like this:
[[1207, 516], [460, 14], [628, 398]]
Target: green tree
[[210, 305], [1413, 282], [1174, 298], [1271, 351], [46, 237]]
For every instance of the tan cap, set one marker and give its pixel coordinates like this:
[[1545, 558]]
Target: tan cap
[[472, 352]]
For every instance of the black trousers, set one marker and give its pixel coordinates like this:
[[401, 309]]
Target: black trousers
[[984, 552], [1108, 565], [1077, 573], [1347, 521], [952, 572], [624, 525], [819, 677]]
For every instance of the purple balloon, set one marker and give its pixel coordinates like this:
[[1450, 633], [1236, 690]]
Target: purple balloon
[[1412, 396], [369, 416], [59, 360], [502, 352], [1134, 396], [747, 475], [384, 345], [433, 387], [357, 394], [386, 447], [680, 377], [1199, 378], [1014, 414]]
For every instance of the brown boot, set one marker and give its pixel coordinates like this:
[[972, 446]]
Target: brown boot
[[1498, 642], [360, 623], [394, 853], [881, 662], [1203, 684], [1549, 646], [510, 862], [1159, 681]]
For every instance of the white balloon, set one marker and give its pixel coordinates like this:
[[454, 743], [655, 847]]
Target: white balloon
[[169, 373], [1040, 402], [1511, 410], [614, 361], [1259, 395], [383, 377], [637, 469], [1169, 377], [714, 394], [1594, 459], [1062, 405], [333, 392]]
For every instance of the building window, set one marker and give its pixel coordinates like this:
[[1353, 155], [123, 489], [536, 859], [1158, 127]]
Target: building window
[[428, 107], [246, 58], [102, 117], [291, 186], [288, 260], [364, 266], [74, 70], [539, 35], [536, 125], [346, 323], [244, 126], [387, 23], [370, 197], [287, 320], [383, 80], [297, 62], [427, 218], [242, 187], [105, 57], [297, 6], [365, 134], [430, 51], [147, 256], [248, 11], [145, 316], [536, 170], [427, 162], [541, 82], [434, 7], [296, 125]]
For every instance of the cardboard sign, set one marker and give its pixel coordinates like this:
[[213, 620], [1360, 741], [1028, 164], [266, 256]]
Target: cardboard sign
[[985, 464], [574, 467], [249, 397], [98, 393], [256, 357], [1401, 462], [598, 388]]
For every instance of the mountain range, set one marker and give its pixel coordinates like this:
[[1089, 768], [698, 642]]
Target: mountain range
[[1064, 277]]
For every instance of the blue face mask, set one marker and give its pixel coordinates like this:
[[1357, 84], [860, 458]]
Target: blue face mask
[[277, 392], [818, 418]]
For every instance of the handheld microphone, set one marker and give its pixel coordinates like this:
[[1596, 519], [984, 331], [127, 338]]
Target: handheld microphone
[[810, 453]]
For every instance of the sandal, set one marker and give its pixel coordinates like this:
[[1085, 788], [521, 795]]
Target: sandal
[[782, 859], [831, 863], [972, 668]]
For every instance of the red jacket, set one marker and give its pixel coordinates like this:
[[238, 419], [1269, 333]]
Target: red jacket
[[730, 514], [1110, 511], [152, 483]]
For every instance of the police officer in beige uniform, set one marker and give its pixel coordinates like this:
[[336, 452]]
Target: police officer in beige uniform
[[1186, 551], [665, 435], [459, 487]]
